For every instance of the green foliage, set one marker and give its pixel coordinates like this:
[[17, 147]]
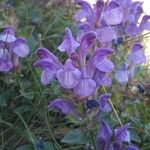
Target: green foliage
[[24, 116]]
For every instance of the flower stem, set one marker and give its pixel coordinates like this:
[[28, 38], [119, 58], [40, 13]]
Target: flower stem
[[113, 108]]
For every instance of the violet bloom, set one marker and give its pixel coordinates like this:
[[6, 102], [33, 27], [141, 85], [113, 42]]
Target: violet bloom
[[86, 85], [64, 106], [69, 45], [99, 60], [93, 20], [145, 23], [20, 48], [104, 135], [122, 134], [8, 35], [104, 102], [113, 14], [5, 59], [68, 76], [11, 49], [137, 55], [49, 63], [122, 75], [101, 78]]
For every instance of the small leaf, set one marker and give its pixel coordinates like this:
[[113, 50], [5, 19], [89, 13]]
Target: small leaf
[[29, 95], [75, 137]]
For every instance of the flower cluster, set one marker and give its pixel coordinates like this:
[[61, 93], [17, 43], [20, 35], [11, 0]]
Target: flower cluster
[[89, 66], [11, 48], [121, 135]]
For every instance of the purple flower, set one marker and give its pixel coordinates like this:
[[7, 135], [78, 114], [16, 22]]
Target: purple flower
[[113, 14], [122, 75], [104, 102], [106, 34], [100, 61], [86, 85], [20, 48], [132, 29], [5, 62], [64, 106], [69, 45], [122, 133], [86, 42], [49, 63], [85, 12], [68, 76], [11, 49], [98, 9], [101, 78], [145, 23], [8, 35], [104, 135], [137, 55]]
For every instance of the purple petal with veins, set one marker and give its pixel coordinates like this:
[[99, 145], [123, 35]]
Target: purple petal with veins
[[86, 85], [113, 14], [106, 34], [20, 48], [68, 76]]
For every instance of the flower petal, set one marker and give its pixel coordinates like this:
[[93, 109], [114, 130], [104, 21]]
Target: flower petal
[[86, 85], [113, 14], [86, 42], [106, 34], [105, 65], [122, 133], [122, 75], [101, 78], [98, 10], [132, 29], [20, 48], [145, 23], [69, 76], [104, 104], [47, 77], [45, 53], [5, 62], [105, 132], [8, 35], [137, 55], [87, 11], [69, 44], [64, 106]]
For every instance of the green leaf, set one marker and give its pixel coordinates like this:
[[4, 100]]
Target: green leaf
[[48, 146], [2, 101], [25, 147], [135, 137], [75, 137], [29, 95]]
